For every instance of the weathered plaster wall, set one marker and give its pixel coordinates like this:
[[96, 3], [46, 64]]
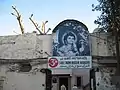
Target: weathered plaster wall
[[19, 47], [102, 44], [32, 45], [104, 78], [22, 80], [46, 45], [26, 46]]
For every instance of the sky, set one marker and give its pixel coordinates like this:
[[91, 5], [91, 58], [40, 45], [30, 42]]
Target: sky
[[54, 11]]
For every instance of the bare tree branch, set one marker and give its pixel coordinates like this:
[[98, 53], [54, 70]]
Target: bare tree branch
[[18, 16], [14, 14], [48, 31], [35, 24], [43, 26]]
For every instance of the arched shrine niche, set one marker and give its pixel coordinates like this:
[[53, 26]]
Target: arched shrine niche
[[71, 38]]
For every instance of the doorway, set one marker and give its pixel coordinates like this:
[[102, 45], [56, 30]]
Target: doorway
[[63, 81]]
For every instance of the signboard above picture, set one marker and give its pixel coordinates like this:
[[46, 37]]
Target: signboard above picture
[[71, 39]]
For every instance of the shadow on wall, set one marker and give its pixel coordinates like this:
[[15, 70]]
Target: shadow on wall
[[86, 87]]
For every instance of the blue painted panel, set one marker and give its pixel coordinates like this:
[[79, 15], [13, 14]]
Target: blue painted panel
[[71, 39]]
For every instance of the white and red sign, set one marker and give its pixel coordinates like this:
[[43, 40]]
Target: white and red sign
[[53, 62], [70, 62]]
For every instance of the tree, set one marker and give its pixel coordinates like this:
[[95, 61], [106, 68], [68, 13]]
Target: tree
[[42, 29], [18, 16], [109, 20]]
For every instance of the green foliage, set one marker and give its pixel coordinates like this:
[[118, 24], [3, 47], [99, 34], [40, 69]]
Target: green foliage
[[109, 19]]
